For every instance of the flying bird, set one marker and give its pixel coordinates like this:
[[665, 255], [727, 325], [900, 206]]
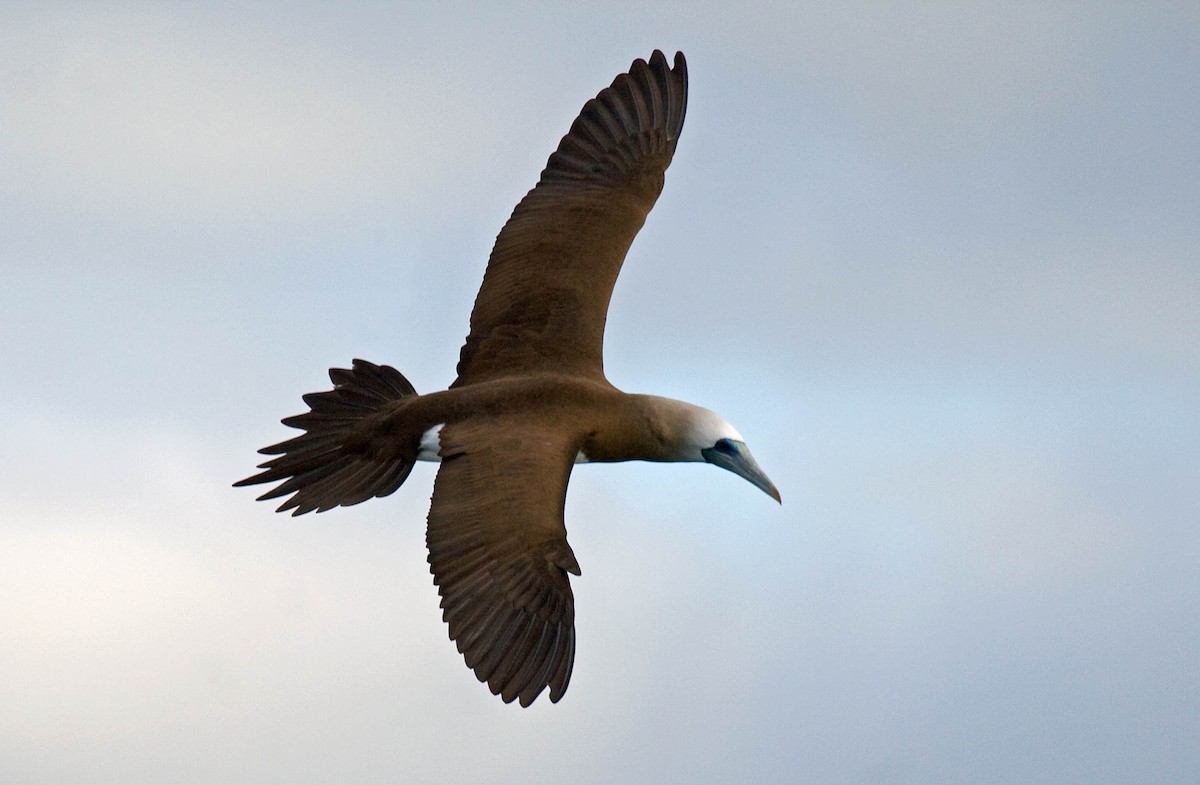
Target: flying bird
[[530, 401]]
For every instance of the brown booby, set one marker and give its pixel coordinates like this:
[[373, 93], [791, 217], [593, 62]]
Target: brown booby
[[530, 401]]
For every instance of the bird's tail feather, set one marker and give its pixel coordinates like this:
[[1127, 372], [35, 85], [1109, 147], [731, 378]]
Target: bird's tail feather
[[323, 467]]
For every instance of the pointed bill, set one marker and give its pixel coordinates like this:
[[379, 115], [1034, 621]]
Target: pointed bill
[[735, 456]]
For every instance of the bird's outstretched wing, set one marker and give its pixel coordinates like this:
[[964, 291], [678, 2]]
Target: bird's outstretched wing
[[544, 298], [499, 555]]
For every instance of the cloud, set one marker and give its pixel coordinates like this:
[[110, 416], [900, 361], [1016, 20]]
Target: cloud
[[154, 111]]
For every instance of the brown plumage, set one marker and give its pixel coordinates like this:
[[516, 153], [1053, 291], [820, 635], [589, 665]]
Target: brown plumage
[[530, 400], [544, 298]]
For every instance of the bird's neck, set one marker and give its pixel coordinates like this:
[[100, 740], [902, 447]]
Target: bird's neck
[[644, 428]]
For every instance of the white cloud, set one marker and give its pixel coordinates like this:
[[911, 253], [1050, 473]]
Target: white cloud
[[154, 110]]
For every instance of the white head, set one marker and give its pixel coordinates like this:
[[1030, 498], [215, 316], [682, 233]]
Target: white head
[[704, 428], [693, 433]]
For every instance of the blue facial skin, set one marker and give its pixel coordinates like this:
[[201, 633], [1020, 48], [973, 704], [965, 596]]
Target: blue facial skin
[[734, 456]]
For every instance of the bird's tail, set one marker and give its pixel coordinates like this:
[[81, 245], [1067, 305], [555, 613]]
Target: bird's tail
[[328, 465]]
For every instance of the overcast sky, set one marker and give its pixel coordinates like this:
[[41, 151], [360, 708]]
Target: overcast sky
[[940, 265]]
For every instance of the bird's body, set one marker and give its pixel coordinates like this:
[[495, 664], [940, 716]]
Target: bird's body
[[603, 424], [530, 401]]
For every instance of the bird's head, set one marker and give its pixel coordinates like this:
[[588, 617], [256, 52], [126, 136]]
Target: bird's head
[[703, 435]]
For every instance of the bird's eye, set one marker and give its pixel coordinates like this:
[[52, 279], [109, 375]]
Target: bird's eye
[[724, 445]]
